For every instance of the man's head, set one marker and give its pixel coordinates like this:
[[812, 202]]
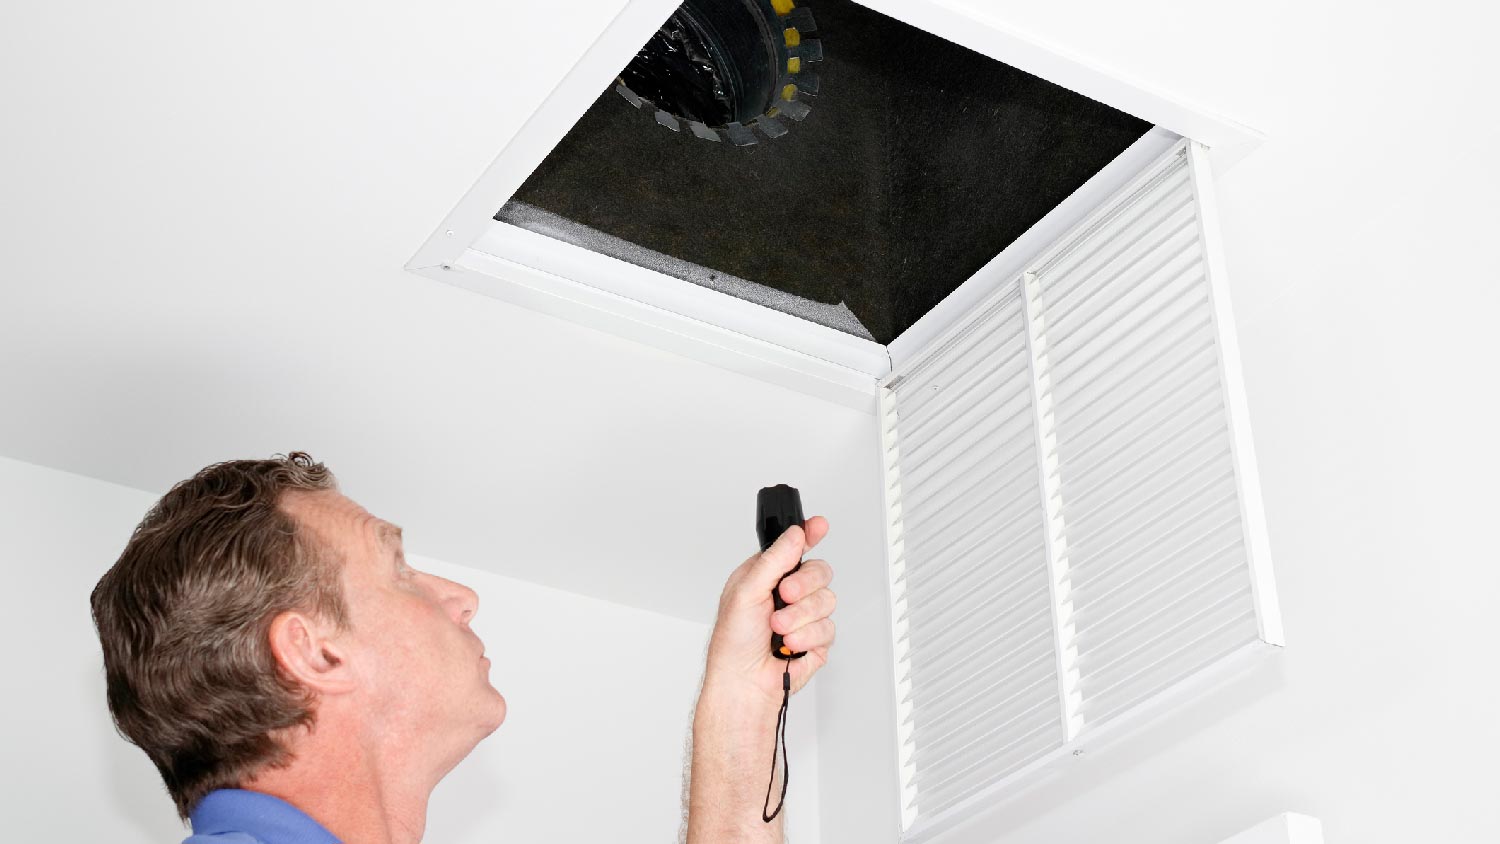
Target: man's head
[[255, 603]]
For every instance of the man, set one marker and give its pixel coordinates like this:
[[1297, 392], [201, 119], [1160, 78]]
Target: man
[[294, 680]]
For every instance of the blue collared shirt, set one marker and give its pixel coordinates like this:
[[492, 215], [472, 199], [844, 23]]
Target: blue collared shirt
[[235, 816]]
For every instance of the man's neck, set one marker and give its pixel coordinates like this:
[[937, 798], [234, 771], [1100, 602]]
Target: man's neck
[[345, 785]]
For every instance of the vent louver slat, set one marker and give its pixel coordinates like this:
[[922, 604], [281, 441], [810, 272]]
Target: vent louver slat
[[1122, 608], [976, 489], [1149, 504], [1007, 424], [977, 567], [1213, 530], [982, 742], [979, 547], [1001, 459], [944, 398], [959, 724], [978, 745], [969, 627], [1097, 341], [1099, 423], [1164, 617], [1111, 293], [985, 658], [981, 456], [1160, 197], [1150, 671], [1074, 525], [1158, 448], [1002, 764], [977, 574], [1002, 678]]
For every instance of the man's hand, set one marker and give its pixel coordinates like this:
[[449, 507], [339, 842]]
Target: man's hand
[[734, 728], [739, 654]]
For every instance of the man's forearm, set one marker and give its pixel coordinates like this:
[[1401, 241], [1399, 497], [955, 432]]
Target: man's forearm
[[733, 741], [745, 686]]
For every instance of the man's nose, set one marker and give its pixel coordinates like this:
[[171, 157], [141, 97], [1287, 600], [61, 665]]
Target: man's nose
[[461, 601]]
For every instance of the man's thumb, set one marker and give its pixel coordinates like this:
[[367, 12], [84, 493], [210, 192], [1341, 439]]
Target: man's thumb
[[783, 556]]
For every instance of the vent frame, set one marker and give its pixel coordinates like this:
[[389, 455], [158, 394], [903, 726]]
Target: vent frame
[[469, 249]]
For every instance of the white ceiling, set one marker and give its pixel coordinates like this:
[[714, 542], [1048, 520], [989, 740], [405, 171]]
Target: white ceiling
[[207, 209]]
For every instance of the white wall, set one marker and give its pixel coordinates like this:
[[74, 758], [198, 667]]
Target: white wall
[[65, 773], [857, 706], [1288, 828], [1359, 244], [591, 749]]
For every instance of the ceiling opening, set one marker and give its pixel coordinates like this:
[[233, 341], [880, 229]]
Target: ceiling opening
[[899, 165]]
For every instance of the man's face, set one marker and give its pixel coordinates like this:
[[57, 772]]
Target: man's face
[[421, 671]]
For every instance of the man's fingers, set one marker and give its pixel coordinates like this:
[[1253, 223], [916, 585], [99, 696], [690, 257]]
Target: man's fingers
[[783, 556], [818, 605], [819, 634], [814, 575], [816, 528], [768, 567]]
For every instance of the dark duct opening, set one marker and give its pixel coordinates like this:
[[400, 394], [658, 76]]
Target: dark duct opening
[[919, 161]]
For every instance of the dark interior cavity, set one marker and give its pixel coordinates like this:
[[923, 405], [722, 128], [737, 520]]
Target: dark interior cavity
[[919, 161]]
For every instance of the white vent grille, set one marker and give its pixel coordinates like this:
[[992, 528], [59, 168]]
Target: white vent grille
[[974, 603], [1071, 500]]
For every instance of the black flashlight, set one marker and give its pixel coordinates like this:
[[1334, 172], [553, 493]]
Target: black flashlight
[[776, 509]]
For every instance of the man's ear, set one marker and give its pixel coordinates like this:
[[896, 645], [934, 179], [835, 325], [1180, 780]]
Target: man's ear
[[307, 650]]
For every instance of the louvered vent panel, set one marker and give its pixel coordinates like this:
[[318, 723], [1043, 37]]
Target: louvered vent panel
[[1075, 527], [977, 670], [1150, 505]]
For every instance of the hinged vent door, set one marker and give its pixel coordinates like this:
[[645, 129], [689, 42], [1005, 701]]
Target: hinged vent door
[[1075, 528]]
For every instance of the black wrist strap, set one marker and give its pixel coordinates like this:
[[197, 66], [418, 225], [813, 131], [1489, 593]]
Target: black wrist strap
[[786, 771]]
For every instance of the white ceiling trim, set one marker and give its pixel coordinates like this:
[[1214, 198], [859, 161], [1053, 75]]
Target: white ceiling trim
[[694, 301], [616, 312]]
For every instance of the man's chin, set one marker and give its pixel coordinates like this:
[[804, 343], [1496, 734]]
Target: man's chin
[[496, 712]]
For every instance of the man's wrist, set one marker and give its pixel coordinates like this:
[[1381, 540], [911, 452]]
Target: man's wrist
[[733, 709], [735, 700], [734, 731]]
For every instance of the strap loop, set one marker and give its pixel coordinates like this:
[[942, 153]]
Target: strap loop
[[786, 696]]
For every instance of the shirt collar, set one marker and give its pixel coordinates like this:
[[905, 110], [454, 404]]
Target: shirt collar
[[268, 819]]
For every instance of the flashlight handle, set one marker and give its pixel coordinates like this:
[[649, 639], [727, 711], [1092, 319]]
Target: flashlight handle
[[778, 508]]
